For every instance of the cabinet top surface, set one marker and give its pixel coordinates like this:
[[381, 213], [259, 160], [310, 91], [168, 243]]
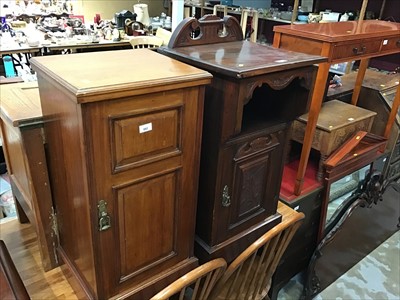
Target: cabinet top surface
[[96, 72], [241, 59], [342, 31], [20, 103]]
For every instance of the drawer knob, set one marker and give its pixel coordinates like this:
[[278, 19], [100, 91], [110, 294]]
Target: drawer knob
[[398, 43], [360, 51]]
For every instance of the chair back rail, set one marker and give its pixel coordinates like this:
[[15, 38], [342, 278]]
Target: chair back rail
[[249, 275], [145, 42], [197, 284]]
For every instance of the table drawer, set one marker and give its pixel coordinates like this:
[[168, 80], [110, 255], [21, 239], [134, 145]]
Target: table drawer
[[391, 44], [354, 50]]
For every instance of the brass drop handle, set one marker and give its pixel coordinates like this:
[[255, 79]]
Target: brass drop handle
[[104, 218], [398, 43], [226, 199], [357, 51]]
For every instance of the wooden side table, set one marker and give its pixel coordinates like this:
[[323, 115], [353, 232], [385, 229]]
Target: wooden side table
[[339, 42]]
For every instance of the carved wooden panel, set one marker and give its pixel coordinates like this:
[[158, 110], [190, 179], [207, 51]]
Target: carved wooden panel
[[228, 30], [249, 175]]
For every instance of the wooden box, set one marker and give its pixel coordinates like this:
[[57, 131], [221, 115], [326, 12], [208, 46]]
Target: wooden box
[[377, 93], [337, 121]]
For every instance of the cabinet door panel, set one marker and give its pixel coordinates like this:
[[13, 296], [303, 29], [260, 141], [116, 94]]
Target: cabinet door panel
[[150, 195], [147, 208], [249, 178], [250, 175]]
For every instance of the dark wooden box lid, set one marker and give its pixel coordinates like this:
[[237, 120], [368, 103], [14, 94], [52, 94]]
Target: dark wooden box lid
[[337, 114]]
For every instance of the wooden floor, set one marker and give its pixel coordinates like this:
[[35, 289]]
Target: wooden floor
[[20, 240]]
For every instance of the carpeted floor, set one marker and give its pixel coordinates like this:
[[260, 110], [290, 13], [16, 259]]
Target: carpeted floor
[[375, 277], [366, 251]]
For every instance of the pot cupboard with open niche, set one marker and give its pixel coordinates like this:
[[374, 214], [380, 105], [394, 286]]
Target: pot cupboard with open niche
[[255, 94]]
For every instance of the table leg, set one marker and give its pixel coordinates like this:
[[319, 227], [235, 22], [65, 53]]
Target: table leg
[[315, 106], [393, 113], [360, 77], [27, 58]]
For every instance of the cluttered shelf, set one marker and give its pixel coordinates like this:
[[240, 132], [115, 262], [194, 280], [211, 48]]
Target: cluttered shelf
[[267, 14], [33, 31]]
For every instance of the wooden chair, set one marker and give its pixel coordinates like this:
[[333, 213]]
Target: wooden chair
[[145, 42], [219, 7], [163, 34], [249, 275], [11, 284], [197, 284], [254, 23]]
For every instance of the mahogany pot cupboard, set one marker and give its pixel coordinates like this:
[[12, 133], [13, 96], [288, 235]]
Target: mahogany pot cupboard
[[123, 136], [256, 92]]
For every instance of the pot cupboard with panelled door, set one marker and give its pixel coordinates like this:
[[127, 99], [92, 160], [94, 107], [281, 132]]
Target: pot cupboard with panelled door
[[123, 140], [255, 94]]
